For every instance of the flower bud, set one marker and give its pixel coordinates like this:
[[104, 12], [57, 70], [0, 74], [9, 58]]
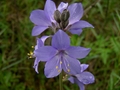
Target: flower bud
[[57, 16], [65, 15], [63, 25]]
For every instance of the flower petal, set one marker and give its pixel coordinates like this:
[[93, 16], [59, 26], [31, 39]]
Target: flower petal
[[77, 31], [50, 9], [62, 6], [45, 53], [81, 85], [71, 79], [43, 38], [39, 17], [53, 67], [84, 67], [74, 80], [60, 40], [76, 28], [39, 43], [36, 63], [85, 77], [81, 24], [77, 52], [76, 12], [38, 30], [70, 65]]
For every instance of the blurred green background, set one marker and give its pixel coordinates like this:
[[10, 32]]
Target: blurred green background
[[16, 70]]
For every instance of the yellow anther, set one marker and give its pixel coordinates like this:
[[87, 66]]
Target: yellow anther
[[68, 70], [66, 75], [56, 67], [58, 70], [68, 65], [28, 54], [31, 53], [63, 77], [32, 46], [60, 62]]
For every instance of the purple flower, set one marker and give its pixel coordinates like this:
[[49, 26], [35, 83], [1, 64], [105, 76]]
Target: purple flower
[[60, 55], [64, 17], [82, 78], [40, 43], [37, 60], [44, 19]]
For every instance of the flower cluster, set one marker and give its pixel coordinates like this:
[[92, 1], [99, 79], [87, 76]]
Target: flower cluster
[[60, 55]]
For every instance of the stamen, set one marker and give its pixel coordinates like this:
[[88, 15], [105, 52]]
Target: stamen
[[60, 62], [68, 65], [65, 77], [58, 70], [30, 55], [68, 70], [32, 46], [56, 67]]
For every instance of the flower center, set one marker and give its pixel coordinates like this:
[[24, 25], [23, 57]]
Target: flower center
[[62, 53]]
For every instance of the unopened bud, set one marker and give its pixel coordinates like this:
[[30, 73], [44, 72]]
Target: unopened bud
[[65, 15], [57, 16], [63, 25]]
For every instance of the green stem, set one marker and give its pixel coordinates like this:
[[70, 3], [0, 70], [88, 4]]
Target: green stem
[[60, 81]]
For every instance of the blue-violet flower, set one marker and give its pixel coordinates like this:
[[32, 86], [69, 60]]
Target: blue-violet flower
[[60, 55], [40, 43], [64, 17], [83, 77]]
